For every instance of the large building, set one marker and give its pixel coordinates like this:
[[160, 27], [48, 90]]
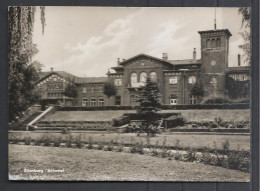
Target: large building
[[175, 78]]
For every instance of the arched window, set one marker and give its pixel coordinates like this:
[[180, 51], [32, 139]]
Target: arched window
[[213, 43], [143, 77], [153, 76], [208, 44], [133, 78], [192, 80], [218, 42]]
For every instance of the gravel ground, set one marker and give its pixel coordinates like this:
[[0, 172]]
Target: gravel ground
[[95, 165]]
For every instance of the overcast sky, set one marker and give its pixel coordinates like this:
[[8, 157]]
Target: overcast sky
[[86, 41]]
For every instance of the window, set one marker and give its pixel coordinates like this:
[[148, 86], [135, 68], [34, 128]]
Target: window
[[208, 43], [143, 77], [244, 77], [173, 99], [101, 101], [218, 43], [192, 80], [84, 90], [213, 43], [133, 78], [84, 102], [92, 101], [213, 80], [92, 89], [118, 82], [193, 99], [153, 76], [118, 100], [173, 80], [133, 98]]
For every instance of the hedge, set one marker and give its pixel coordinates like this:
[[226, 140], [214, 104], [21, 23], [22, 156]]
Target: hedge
[[163, 107]]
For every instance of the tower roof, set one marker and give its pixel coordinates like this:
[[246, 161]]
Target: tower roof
[[216, 32]]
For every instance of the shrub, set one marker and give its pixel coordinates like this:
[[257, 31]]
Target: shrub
[[78, 142], [120, 148], [121, 121], [177, 156], [57, 142], [65, 130], [155, 150], [225, 147], [110, 146], [90, 143], [164, 152], [207, 158], [218, 120], [137, 148], [190, 156], [100, 145], [175, 121], [27, 140], [69, 141], [46, 141]]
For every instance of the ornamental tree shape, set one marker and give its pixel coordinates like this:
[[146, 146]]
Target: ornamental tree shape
[[149, 105], [23, 72]]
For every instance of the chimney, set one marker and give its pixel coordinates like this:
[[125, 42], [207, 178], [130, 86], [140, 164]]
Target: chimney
[[194, 54], [165, 56], [118, 61], [51, 69], [238, 60]]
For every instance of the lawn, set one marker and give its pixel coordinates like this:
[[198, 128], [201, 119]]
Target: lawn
[[190, 115], [193, 140], [94, 165]]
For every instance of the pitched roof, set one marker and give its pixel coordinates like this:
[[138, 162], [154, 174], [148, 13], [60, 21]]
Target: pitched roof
[[81, 80], [63, 74], [184, 62], [145, 55], [226, 31], [238, 69]]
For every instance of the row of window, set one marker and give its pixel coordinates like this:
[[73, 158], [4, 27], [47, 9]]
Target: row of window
[[239, 77], [213, 43], [56, 86], [174, 80], [173, 100], [191, 80], [99, 102], [93, 102], [92, 89], [55, 94], [143, 77]]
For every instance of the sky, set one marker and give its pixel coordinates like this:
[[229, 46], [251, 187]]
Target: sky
[[86, 41]]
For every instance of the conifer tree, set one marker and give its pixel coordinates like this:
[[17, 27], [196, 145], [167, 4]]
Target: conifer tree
[[149, 105]]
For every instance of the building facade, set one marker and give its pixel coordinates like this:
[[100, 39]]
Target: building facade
[[175, 78]]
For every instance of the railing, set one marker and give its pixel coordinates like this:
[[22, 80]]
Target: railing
[[39, 117]]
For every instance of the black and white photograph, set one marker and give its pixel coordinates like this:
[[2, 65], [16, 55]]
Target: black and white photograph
[[129, 94]]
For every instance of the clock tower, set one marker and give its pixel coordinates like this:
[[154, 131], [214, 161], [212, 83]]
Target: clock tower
[[214, 58]]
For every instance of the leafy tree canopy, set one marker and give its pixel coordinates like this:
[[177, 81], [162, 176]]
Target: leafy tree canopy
[[71, 91], [109, 89], [246, 15], [23, 72]]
